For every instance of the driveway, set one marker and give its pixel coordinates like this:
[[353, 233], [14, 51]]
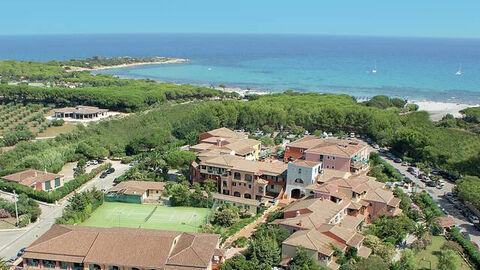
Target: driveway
[[12, 241], [437, 194]]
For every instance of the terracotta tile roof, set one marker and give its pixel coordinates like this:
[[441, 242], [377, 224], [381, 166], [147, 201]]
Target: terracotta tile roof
[[306, 142], [28, 177], [446, 222], [349, 235], [225, 133], [242, 147], [125, 247], [338, 147], [241, 164], [364, 252], [201, 146], [306, 163], [352, 222], [314, 240], [137, 187], [379, 195]]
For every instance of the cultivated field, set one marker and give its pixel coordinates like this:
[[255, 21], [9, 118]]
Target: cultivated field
[[114, 214]]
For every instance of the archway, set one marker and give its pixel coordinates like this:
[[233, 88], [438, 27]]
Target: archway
[[237, 194], [296, 193], [247, 196]]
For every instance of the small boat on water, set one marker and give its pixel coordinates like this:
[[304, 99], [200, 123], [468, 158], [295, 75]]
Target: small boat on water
[[374, 70], [459, 71]]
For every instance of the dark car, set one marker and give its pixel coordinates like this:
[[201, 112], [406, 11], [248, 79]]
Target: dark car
[[20, 252], [103, 175], [407, 180], [110, 170], [431, 183], [397, 160]]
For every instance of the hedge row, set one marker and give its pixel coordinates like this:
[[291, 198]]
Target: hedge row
[[389, 169], [51, 197], [468, 247]]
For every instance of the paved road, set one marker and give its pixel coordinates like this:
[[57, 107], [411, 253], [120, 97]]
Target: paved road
[[437, 194], [12, 241]]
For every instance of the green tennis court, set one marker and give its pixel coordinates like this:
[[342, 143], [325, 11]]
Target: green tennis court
[[115, 214]]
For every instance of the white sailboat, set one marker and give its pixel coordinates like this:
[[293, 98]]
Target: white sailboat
[[374, 70], [459, 71]]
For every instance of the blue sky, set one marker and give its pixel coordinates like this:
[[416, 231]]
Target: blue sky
[[417, 18]]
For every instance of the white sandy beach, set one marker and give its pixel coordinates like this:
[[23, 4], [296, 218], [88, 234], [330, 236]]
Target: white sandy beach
[[439, 109], [160, 62]]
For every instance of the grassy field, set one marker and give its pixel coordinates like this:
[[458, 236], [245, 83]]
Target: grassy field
[[114, 214], [423, 257]]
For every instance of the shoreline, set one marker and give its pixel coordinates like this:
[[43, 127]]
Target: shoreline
[[436, 109], [159, 62]]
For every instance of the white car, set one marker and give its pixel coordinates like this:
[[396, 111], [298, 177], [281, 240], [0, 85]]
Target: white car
[[473, 219]]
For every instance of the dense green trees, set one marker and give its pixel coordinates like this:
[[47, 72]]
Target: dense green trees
[[301, 261], [468, 189], [81, 206], [26, 207]]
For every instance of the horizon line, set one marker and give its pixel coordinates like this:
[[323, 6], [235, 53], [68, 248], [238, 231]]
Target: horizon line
[[242, 33]]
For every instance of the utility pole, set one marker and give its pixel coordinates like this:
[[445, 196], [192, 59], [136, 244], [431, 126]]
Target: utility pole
[[15, 201]]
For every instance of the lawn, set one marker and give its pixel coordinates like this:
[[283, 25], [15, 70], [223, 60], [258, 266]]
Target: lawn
[[423, 257], [114, 214]]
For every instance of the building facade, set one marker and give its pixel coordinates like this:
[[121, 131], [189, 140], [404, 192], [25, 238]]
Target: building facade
[[38, 180], [349, 155], [300, 175], [80, 112], [81, 248]]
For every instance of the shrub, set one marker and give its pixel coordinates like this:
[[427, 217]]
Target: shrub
[[241, 242], [24, 221], [468, 247]]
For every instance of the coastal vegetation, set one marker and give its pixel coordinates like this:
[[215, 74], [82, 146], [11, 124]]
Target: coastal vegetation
[[97, 61]]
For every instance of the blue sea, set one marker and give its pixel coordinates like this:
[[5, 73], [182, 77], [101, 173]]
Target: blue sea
[[412, 68]]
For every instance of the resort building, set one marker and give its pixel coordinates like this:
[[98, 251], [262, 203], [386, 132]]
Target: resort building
[[367, 196], [300, 175], [317, 224], [236, 176], [349, 155], [80, 112], [81, 248], [39, 180], [136, 192], [229, 142]]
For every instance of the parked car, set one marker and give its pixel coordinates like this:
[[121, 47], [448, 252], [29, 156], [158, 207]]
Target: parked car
[[405, 163], [20, 252], [473, 219], [397, 160], [110, 170], [407, 180], [104, 174], [375, 146], [448, 195], [431, 183]]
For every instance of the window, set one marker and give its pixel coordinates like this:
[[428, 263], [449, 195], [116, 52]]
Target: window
[[48, 185], [224, 183], [134, 268], [78, 266], [321, 157], [48, 264], [237, 194], [260, 190], [203, 167], [272, 186], [299, 170], [328, 157], [234, 184], [113, 267], [333, 157], [237, 176], [94, 267], [333, 167], [298, 180], [63, 265], [32, 262], [248, 177], [57, 182], [249, 186]]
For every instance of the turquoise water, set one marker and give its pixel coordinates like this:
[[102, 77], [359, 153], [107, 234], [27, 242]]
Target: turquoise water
[[413, 68]]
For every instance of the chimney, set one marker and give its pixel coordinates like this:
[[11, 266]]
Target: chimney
[[220, 141]]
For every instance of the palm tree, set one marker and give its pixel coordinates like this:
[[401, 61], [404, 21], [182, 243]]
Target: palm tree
[[4, 265]]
